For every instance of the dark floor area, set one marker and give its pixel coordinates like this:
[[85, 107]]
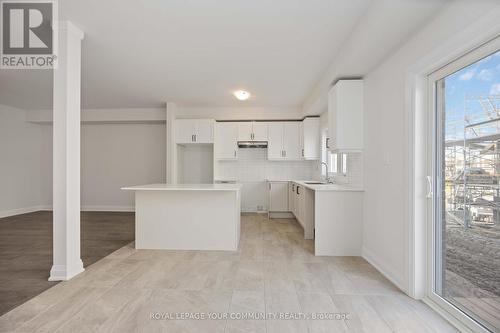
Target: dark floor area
[[26, 250]]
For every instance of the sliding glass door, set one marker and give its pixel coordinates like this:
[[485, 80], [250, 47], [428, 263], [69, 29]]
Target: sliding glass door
[[465, 235]]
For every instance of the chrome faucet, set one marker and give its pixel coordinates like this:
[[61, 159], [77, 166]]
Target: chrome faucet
[[327, 178]]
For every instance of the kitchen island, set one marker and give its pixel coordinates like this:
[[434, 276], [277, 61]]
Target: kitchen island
[[187, 216]]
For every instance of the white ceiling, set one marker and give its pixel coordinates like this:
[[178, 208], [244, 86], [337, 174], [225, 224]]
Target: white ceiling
[[196, 52]]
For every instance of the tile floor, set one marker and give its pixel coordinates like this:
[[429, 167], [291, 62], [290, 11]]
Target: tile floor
[[274, 272]]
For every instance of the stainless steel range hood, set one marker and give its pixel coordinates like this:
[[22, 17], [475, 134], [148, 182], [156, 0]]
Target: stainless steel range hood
[[252, 144]]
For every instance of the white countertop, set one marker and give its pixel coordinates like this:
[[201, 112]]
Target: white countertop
[[184, 187], [329, 187]]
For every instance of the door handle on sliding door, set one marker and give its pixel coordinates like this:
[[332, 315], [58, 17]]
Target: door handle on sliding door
[[429, 187]]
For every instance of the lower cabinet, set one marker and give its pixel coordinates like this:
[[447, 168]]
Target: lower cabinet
[[290, 197], [278, 196]]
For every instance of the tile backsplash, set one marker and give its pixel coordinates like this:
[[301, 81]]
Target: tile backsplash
[[252, 169]]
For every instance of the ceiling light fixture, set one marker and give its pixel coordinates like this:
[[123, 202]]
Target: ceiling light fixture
[[242, 95]]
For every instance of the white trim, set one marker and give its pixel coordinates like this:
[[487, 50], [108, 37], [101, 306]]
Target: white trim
[[24, 210], [451, 319], [63, 273], [108, 208], [254, 212], [280, 215], [383, 268]]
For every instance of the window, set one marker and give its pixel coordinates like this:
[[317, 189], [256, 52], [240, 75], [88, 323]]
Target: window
[[337, 163], [333, 165]]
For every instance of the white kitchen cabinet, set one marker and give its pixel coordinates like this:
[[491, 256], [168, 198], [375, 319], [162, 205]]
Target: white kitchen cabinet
[[194, 131], [252, 131], [278, 196], [204, 131], [275, 141], [303, 208], [310, 139], [226, 141], [259, 131], [291, 197], [283, 141], [291, 140], [345, 116]]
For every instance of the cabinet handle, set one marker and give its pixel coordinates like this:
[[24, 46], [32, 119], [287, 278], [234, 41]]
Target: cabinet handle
[[298, 189], [302, 152], [192, 137], [327, 142], [284, 153]]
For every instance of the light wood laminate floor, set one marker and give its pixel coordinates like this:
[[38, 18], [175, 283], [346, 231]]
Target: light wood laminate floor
[[274, 271]]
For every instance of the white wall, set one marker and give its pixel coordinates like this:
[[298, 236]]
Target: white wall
[[195, 164], [386, 219], [22, 170], [240, 113], [113, 155], [117, 155]]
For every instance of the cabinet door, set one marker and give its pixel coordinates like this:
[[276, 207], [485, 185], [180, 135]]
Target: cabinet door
[[291, 140], [185, 130], [278, 196], [275, 141], [225, 141], [332, 117], [259, 131], [298, 204], [310, 139], [291, 196], [345, 115], [245, 131], [204, 131]]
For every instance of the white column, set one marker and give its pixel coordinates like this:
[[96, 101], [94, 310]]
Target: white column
[[66, 155], [171, 169]]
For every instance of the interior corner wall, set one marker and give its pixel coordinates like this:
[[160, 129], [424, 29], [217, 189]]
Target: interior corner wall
[[385, 215], [114, 155], [23, 154]]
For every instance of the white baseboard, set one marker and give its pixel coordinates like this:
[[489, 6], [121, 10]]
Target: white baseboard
[[389, 273], [64, 273], [107, 209], [253, 212], [280, 215], [24, 210]]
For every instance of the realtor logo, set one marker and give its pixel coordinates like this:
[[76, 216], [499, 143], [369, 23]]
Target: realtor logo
[[28, 34]]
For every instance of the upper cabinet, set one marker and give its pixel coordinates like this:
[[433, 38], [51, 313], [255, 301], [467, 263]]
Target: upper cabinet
[[226, 141], [310, 138], [345, 116], [194, 131], [284, 141], [252, 131]]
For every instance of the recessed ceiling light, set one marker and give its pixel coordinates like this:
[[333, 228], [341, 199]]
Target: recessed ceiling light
[[242, 95]]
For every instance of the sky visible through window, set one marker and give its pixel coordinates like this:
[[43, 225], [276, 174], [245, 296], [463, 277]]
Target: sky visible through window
[[467, 92]]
